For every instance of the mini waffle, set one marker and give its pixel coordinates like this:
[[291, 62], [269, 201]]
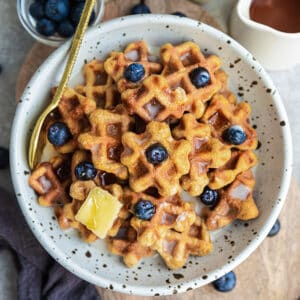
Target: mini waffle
[[104, 140], [98, 86], [50, 184], [154, 100], [164, 176], [239, 162], [221, 114], [66, 219], [125, 244], [175, 247], [136, 52], [207, 152], [74, 110], [178, 62], [236, 202], [170, 213]]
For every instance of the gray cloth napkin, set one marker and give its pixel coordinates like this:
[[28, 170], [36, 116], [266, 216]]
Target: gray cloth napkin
[[40, 277]]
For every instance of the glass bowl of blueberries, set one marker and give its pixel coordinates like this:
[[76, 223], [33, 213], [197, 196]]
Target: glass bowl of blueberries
[[51, 22]]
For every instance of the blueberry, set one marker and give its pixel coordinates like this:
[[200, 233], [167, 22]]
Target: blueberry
[[156, 154], [235, 135], [66, 28], [45, 27], [225, 283], [4, 158], [209, 197], [57, 10], [134, 72], [85, 171], [140, 9], [179, 14], [36, 9], [275, 229], [59, 134], [144, 209], [76, 12], [200, 77]]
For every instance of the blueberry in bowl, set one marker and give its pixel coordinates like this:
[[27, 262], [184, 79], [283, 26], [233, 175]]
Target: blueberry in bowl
[[140, 8], [51, 22]]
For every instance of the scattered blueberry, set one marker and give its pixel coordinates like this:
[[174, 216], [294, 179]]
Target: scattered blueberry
[[36, 9], [76, 12], [45, 27], [57, 10], [179, 14], [209, 197], [156, 154], [66, 28], [275, 229], [4, 158], [59, 134], [225, 283], [85, 171], [134, 72], [140, 8], [200, 77], [235, 135], [144, 209]]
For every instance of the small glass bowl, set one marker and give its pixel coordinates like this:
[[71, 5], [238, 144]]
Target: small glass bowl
[[29, 22]]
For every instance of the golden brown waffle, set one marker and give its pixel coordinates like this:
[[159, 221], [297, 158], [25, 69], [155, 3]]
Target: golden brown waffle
[[66, 219], [71, 145], [154, 100], [104, 140], [207, 152], [170, 213], [99, 86], [79, 191], [45, 181], [125, 244], [74, 110], [236, 202], [178, 62], [164, 176], [221, 114], [239, 162], [136, 52], [175, 247]]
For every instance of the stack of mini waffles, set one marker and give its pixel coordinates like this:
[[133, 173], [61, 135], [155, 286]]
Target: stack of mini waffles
[[144, 129]]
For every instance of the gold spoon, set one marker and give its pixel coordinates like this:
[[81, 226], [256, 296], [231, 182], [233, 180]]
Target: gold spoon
[[35, 144]]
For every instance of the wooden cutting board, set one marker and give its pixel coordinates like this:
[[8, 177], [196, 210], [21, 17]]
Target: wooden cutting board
[[272, 271]]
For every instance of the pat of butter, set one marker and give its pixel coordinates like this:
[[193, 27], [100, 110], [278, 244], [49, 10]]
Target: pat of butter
[[99, 211]]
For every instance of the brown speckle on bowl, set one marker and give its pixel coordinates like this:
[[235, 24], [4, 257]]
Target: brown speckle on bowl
[[178, 275], [282, 123]]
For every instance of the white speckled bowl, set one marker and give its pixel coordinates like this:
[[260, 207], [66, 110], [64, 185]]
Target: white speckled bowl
[[151, 277]]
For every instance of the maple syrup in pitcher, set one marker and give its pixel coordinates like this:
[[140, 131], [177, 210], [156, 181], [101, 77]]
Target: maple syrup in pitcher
[[282, 15]]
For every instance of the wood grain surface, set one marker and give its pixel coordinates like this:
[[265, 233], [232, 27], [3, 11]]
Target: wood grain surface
[[272, 271]]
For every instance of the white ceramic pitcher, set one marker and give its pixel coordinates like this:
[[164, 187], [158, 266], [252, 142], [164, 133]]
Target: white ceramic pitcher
[[275, 50]]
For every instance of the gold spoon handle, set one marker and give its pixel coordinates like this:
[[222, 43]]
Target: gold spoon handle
[[33, 154]]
